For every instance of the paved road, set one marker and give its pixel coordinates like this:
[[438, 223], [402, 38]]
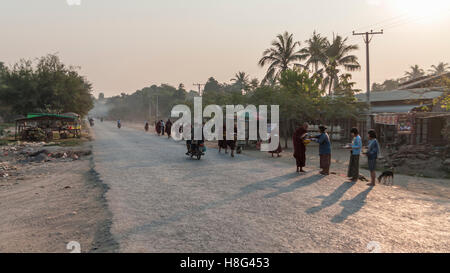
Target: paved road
[[162, 201]]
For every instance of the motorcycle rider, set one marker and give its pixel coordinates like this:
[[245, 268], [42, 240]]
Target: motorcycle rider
[[189, 142], [119, 124]]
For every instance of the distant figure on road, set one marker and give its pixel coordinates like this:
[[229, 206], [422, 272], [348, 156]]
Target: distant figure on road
[[224, 144], [163, 125], [324, 150], [169, 128], [353, 167], [146, 126], [299, 146], [158, 127], [119, 124]]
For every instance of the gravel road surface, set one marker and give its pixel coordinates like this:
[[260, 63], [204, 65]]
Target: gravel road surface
[[163, 201]]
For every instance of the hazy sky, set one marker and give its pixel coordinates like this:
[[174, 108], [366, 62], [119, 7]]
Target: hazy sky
[[125, 45]]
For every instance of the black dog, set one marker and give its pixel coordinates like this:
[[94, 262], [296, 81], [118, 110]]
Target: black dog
[[385, 176]]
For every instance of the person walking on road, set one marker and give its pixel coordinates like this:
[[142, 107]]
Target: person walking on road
[[163, 127], [353, 167], [372, 154], [299, 146], [169, 128], [158, 127], [324, 150]]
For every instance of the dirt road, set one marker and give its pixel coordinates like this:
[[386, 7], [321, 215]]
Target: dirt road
[[47, 205], [162, 201]]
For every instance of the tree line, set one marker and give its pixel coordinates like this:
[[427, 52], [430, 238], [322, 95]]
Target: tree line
[[309, 84], [45, 85], [415, 72]]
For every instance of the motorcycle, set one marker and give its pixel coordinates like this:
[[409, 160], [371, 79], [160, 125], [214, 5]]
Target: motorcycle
[[197, 149], [119, 125]]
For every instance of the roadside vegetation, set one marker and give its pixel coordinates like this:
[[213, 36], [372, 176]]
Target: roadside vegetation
[[44, 85]]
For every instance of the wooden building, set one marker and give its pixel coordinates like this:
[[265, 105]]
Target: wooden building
[[409, 115]]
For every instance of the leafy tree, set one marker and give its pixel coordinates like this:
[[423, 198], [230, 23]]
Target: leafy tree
[[48, 86], [254, 83], [415, 72], [338, 54], [345, 86], [283, 54], [387, 85], [299, 97], [212, 85], [154, 102]]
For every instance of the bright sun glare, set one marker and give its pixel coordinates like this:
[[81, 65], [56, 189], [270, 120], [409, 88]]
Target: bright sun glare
[[423, 8]]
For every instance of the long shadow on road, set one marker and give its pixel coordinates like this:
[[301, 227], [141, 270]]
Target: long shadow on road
[[331, 199], [296, 185], [247, 190], [352, 206]]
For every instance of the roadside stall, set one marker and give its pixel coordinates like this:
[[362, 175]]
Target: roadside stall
[[41, 126]]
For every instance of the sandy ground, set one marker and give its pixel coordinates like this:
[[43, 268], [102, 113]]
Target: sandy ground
[[44, 206], [163, 201]]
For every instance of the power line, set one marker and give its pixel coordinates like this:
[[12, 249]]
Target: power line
[[367, 36]]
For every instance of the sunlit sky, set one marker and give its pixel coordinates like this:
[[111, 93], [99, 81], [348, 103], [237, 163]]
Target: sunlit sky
[[123, 46]]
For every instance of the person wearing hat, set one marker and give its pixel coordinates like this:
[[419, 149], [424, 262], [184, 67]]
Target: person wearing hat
[[324, 150]]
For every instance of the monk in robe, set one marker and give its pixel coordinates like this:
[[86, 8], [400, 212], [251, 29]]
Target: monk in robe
[[299, 146], [158, 128], [168, 128]]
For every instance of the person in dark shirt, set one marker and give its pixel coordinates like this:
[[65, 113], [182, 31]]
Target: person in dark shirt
[[324, 150]]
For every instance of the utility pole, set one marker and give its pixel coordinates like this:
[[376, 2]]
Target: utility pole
[[367, 36], [149, 110], [157, 107], [199, 85]]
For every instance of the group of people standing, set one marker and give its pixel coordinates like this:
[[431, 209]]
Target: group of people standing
[[162, 127], [301, 138]]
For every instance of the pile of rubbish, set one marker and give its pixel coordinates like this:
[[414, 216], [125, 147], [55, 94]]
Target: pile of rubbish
[[21, 148], [43, 155], [34, 152], [6, 169], [418, 157]]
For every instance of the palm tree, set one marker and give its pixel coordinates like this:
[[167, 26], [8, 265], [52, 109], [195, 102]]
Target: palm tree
[[254, 83], [281, 56], [338, 54], [242, 80], [416, 72], [316, 51], [439, 69]]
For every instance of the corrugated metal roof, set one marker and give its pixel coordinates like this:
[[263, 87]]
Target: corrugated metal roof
[[401, 95], [393, 108]]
